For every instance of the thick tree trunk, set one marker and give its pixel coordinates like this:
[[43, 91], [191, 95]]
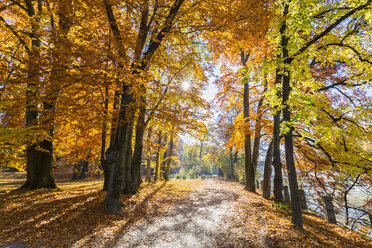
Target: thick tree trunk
[[38, 163], [120, 148], [138, 148], [114, 125], [116, 154], [127, 174], [266, 185], [166, 176]]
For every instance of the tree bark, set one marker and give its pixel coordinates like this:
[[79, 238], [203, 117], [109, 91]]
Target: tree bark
[[163, 162], [288, 136], [104, 129], [80, 169], [114, 124], [266, 185], [346, 208], [38, 162], [119, 150], [166, 177], [220, 172], [248, 165], [278, 176], [138, 148], [232, 176], [257, 130], [157, 167], [75, 171], [127, 174], [148, 166], [84, 168], [116, 155]]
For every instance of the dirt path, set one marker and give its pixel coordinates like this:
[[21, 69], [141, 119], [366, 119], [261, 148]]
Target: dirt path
[[199, 222], [179, 213]]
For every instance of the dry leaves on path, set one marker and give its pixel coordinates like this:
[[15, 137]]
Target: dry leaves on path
[[75, 216], [258, 223]]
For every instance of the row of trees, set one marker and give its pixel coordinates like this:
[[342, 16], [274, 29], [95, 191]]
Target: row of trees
[[85, 80], [305, 83]]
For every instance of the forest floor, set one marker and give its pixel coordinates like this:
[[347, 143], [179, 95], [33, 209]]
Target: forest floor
[[179, 213]]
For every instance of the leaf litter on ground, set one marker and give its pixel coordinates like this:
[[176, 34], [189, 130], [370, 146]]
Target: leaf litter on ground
[[74, 216]]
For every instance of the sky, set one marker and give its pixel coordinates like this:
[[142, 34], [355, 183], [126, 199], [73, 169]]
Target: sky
[[209, 94]]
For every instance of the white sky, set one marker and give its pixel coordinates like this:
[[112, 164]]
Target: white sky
[[209, 94]]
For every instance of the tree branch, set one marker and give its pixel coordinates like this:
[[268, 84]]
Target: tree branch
[[327, 30]]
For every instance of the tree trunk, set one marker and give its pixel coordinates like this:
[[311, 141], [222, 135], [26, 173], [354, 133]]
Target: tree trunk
[[163, 153], [248, 165], [288, 137], [121, 146], [76, 171], [232, 176], [346, 209], [104, 128], [166, 176], [80, 169], [157, 168], [266, 185], [84, 168], [127, 174], [38, 163], [138, 148], [257, 130], [114, 125], [148, 166], [278, 176], [220, 172], [116, 155]]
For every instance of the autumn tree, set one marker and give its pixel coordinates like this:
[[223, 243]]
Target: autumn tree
[[299, 48]]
